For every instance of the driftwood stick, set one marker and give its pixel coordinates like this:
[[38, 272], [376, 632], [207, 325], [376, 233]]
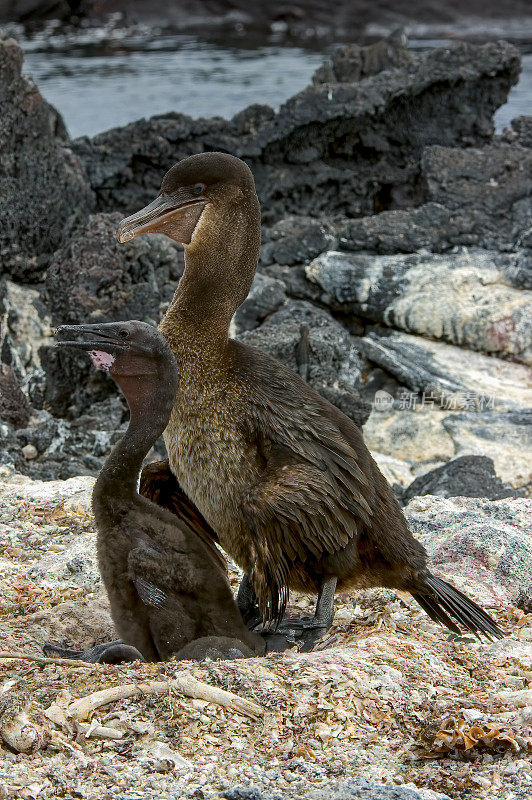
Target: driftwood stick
[[186, 684], [191, 687], [71, 662]]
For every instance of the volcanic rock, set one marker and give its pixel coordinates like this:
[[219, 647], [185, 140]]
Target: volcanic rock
[[466, 476], [520, 131], [295, 240], [415, 436], [465, 298], [94, 279], [43, 186], [332, 149], [352, 63], [487, 543], [506, 438], [14, 406], [449, 376], [494, 184], [266, 296], [27, 327], [426, 436]]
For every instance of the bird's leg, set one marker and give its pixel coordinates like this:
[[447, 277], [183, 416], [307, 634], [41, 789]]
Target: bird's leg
[[306, 631], [108, 653], [247, 603]]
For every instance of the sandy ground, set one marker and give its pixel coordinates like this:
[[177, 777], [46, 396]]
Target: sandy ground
[[390, 697]]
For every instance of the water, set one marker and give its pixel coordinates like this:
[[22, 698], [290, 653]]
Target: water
[[101, 79], [96, 87]]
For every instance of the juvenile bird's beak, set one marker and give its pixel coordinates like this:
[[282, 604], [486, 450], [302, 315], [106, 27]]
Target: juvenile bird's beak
[[177, 220], [90, 337]]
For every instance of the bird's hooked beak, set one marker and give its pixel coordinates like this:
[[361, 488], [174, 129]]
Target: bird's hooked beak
[[91, 337], [177, 219]]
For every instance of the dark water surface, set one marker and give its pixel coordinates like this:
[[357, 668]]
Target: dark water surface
[[100, 79]]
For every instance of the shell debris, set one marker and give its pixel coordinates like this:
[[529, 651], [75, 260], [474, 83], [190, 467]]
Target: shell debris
[[390, 698]]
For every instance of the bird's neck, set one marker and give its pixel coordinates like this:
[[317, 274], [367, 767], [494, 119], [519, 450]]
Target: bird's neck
[[220, 265], [116, 487]]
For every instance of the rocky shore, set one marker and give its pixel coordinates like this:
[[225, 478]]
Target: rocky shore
[[396, 257], [396, 278]]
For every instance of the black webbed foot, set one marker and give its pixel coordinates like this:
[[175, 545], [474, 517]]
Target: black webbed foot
[[109, 653], [304, 633]]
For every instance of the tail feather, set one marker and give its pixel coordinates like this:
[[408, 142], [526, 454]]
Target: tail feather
[[443, 603], [436, 613]]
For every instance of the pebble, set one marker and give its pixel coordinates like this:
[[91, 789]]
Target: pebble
[[29, 451]]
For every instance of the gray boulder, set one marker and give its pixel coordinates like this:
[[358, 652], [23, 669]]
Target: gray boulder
[[494, 184], [43, 185], [266, 296], [487, 543], [466, 298], [466, 476], [330, 149], [94, 279], [449, 377], [352, 62], [319, 349]]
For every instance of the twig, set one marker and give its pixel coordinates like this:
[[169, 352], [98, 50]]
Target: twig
[[186, 684], [71, 662]]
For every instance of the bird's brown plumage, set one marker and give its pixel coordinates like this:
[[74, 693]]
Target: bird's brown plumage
[[159, 484], [280, 474], [165, 586]]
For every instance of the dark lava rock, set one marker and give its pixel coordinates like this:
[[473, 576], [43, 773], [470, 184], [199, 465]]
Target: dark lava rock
[[309, 341], [94, 279], [35, 11], [466, 476], [266, 296], [43, 186], [214, 19], [430, 226], [493, 183], [351, 63], [295, 240], [519, 131], [352, 148], [14, 406], [65, 449], [475, 196]]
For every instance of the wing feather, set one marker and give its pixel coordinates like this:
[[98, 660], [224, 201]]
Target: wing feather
[[159, 484]]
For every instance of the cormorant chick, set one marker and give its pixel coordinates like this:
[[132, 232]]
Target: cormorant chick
[[165, 585]]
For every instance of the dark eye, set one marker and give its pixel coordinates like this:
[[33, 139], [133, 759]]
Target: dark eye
[[123, 333], [198, 188]]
